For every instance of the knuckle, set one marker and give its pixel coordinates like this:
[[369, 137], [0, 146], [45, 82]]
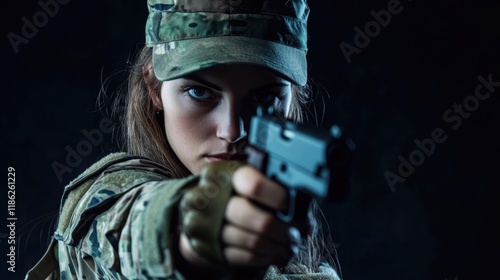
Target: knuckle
[[248, 181], [265, 224], [253, 242], [249, 258], [193, 200], [231, 208], [256, 186], [239, 256]]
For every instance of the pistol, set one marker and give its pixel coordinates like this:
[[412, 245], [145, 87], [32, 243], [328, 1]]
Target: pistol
[[308, 162]]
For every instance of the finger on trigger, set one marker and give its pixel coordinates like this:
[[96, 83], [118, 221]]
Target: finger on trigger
[[251, 183]]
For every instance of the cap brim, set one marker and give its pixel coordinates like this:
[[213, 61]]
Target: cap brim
[[176, 59]]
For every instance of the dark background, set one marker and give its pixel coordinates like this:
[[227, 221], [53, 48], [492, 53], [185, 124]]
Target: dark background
[[437, 224]]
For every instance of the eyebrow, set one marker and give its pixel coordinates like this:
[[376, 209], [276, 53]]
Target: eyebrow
[[203, 82], [216, 87]]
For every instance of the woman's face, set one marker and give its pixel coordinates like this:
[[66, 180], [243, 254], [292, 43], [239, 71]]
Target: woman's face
[[204, 111]]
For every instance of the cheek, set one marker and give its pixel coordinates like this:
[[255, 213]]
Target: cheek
[[188, 129], [184, 125]]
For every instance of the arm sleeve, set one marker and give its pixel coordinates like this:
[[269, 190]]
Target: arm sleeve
[[131, 239]]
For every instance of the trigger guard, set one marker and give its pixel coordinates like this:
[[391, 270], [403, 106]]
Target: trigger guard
[[288, 217]]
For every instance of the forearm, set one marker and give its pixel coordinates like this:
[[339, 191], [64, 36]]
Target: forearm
[[135, 236], [148, 239]]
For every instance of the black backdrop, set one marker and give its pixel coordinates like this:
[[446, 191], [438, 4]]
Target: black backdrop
[[397, 90]]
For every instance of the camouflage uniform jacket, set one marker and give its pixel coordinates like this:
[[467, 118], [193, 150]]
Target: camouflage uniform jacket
[[117, 221]]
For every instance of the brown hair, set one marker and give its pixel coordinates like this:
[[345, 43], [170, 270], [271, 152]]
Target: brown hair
[[143, 133], [145, 136]]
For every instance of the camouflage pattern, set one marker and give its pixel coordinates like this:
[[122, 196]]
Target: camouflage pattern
[[121, 224], [191, 35], [105, 235]]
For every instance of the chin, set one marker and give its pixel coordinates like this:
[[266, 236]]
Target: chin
[[197, 167]]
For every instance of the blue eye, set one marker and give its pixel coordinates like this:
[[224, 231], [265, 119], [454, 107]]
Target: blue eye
[[199, 93]]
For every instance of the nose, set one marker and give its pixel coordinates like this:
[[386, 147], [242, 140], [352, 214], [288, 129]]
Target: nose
[[231, 127]]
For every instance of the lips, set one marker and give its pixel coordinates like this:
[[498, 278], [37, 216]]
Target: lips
[[225, 156]]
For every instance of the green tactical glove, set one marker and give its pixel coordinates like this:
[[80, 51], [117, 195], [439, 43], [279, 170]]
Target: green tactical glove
[[203, 208]]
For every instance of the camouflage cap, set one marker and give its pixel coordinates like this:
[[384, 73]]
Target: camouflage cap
[[190, 35]]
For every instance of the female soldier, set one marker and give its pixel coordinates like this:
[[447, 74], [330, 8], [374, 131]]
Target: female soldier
[[180, 203]]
